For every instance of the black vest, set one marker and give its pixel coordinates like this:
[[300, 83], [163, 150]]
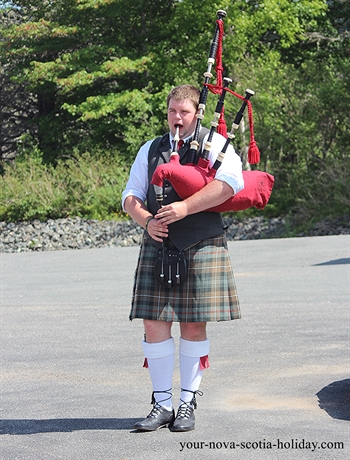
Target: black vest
[[193, 228]]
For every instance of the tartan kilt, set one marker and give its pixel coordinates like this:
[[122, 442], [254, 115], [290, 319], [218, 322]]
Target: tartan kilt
[[208, 293]]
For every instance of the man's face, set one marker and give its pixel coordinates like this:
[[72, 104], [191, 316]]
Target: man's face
[[183, 114]]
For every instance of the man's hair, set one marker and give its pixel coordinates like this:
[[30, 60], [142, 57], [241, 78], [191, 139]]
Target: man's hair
[[180, 93]]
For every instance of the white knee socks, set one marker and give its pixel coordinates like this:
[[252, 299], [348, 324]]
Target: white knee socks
[[161, 360], [192, 356]]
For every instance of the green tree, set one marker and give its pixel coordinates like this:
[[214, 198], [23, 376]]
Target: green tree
[[97, 73], [302, 105], [86, 61]]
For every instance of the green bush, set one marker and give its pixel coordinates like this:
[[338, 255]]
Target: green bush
[[89, 186], [323, 191]]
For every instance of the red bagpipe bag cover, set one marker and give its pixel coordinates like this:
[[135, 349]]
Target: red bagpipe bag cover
[[189, 179]]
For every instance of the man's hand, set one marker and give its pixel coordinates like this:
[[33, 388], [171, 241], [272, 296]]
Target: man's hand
[[172, 212], [157, 230]]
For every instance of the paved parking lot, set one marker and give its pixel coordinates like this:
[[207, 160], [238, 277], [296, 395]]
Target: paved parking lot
[[72, 382]]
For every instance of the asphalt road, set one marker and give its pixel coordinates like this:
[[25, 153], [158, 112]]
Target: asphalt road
[[72, 382]]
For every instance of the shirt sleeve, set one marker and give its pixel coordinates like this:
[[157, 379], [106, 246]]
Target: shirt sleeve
[[137, 184], [230, 170]]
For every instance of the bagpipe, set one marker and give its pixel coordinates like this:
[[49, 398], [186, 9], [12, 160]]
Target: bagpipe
[[190, 178]]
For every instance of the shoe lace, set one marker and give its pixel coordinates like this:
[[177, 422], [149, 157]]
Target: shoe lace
[[155, 411], [157, 407], [186, 408]]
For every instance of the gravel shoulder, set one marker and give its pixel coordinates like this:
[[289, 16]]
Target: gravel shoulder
[[77, 233]]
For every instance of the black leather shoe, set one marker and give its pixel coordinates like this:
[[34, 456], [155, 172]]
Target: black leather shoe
[[157, 418], [185, 419]]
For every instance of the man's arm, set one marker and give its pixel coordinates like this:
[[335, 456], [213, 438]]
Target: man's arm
[[212, 194]]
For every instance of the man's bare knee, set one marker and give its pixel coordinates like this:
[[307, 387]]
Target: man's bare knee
[[194, 332], [157, 331]]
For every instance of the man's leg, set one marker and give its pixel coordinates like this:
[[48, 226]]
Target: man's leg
[[193, 350], [159, 351]]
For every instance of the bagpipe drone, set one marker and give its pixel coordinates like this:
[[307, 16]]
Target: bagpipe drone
[[189, 178]]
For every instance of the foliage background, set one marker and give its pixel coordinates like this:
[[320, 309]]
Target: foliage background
[[84, 82]]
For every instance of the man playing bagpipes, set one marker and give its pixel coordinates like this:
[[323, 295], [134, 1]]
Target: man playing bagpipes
[[178, 185], [208, 292]]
